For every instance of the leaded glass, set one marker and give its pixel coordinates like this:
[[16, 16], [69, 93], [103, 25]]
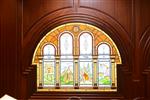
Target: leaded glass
[[104, 73], [49, 73], [85, 44], [104, 65], [48, 51], [85, 73], [66, 77], [66, 65], [66, 46], [85, 64], [48, 65]]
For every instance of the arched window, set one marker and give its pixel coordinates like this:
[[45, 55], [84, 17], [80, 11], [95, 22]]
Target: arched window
[[85, 58], [66, 66], [76, 56], [48, 65], [104, 65]]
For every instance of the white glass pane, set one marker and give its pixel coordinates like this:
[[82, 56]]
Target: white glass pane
[[49, 52], [66, 44], [103, 49], [85, 44]]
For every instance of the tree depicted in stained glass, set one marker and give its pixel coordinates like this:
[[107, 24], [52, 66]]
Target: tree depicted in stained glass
[[76, 55], [104, 73], [66, 77], [104, 65], [85, 65], [85, 73], [66, 65]]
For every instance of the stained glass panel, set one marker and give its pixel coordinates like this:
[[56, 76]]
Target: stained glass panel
[[79, 62], [48, 65], [85, 73], [66, 65], [104, 49], [85, 43], [66, 77], [49, 51], [66, 44], [85, 65], [104, 73], [104, 65], [49, 73]]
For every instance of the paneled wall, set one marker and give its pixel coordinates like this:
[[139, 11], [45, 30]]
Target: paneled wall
[[9, 48], [25, 22]]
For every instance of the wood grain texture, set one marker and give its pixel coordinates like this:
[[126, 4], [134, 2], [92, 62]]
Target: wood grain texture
[[24, 24], [34, 11]]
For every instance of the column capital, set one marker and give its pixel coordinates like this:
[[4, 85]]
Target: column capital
[[95, 57], [76, 57], [57, 57], [112, 56], [40, 58]]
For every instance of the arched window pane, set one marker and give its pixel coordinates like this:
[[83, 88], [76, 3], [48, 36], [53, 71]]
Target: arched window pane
[[66, 71], [104, 51], [49, 51], [48, 64], [82, 59], [85, 64], [104, 65], [86, 44], [66, 46]]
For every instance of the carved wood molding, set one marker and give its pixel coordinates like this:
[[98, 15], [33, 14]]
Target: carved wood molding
[[145, 45], [46, 24], [29, 70], [146, 73]]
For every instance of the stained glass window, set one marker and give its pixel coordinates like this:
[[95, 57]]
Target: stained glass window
[[76, 56], [85, 65], [104, 65], [48, 64], [66, 66]]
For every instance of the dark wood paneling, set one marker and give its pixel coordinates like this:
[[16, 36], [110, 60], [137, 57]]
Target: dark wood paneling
[[116, 9], [9, 78], [35, 10], [145, 15], [22, 26]]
